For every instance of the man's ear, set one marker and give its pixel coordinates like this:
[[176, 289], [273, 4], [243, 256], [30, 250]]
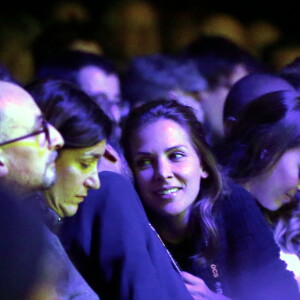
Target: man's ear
[[228, 124], [3, 165]]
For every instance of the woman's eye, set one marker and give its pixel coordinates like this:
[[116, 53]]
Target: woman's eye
[[85, 165], [142, 163], [176, 155]]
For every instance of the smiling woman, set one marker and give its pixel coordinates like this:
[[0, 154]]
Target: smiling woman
[[215, 235], [84, 128]]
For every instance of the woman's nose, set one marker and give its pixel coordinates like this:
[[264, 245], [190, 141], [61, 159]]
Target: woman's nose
[[163, 169], [93, 181]]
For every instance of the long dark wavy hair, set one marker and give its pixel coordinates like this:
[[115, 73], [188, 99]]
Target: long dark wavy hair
[[202, 221]]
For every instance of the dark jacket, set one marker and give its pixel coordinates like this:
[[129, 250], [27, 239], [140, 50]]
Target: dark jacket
[[111, 243], [69, 283]]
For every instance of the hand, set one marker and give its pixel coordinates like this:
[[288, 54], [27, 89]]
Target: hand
[[198, 289]]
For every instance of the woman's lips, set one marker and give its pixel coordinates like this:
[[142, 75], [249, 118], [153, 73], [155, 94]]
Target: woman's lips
[[81, 198], [167, 193]]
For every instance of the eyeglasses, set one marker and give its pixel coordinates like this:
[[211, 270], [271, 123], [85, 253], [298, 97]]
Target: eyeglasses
[[45, 130]]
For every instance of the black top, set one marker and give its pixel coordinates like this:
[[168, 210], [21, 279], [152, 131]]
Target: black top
[[248, 261]]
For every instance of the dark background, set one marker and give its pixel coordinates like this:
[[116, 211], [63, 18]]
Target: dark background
[[283, 13]]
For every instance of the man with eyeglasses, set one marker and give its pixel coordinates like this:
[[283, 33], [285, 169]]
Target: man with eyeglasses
[[28, 145], [28, 149]]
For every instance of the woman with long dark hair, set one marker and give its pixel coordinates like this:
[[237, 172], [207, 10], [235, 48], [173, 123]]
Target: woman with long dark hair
[[216, 234], [85, 129]]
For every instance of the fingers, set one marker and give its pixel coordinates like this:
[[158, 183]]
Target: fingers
[[191, 279], [196, 286]]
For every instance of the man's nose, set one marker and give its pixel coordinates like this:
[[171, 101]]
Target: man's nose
[[55, 138]]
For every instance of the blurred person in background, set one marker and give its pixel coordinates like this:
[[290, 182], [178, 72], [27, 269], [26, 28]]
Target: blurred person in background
[[221, 62], [151, 77], [133, 28], [97, 77]]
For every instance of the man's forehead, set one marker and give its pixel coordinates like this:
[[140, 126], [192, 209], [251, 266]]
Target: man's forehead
[[16, 104], [14, 95]]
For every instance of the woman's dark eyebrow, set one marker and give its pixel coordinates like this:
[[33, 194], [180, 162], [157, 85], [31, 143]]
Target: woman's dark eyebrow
[[92, 154], [175, 147], [167, 150]]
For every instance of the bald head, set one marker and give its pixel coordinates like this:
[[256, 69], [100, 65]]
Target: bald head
[[15, 103], [12, 93]]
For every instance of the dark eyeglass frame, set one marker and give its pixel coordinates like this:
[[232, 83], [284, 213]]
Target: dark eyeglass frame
[[44, 130]]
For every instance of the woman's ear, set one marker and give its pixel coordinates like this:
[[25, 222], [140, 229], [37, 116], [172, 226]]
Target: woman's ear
[[204, 174]]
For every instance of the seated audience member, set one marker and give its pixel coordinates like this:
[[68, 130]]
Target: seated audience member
[[291, 73], [220, 239], [222, 63], [261, 152], [244, 91], [84, 127], [29, 148], [25, 271], [92, 73], [110, 240], [98, 78], [247, 89], [151, 77], [25, 136]]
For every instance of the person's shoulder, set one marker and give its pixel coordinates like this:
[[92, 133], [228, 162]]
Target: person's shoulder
[[108, 176], [115, 184], [237, 196], [238, 203], [115, 191]]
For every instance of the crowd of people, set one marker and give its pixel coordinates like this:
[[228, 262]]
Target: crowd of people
[[146, 174]]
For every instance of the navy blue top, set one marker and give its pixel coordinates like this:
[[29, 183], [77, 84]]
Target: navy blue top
[[112, 245]]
